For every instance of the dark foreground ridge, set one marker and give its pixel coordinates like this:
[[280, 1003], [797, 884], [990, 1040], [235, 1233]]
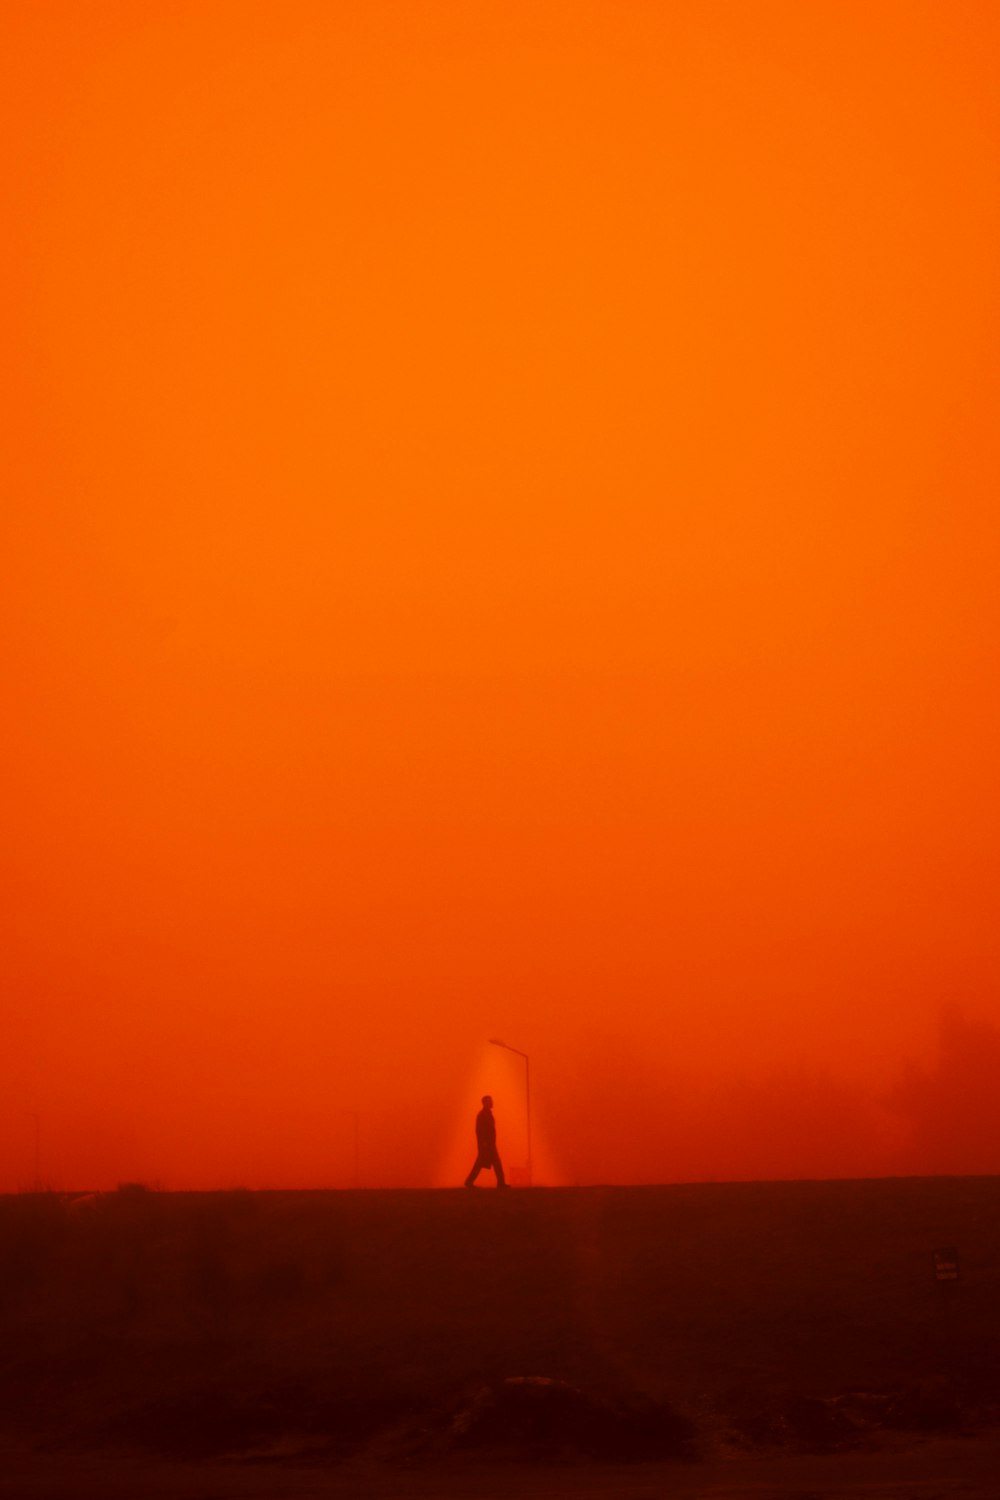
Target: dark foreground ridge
[[658, 1323]]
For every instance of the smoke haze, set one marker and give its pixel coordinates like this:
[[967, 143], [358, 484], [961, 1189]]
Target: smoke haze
[[501, 541]]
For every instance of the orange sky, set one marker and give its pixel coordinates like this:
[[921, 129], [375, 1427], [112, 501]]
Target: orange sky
[[500, 538]]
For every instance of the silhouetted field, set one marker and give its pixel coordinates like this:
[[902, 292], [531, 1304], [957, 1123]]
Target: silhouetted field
[[658, 1323]]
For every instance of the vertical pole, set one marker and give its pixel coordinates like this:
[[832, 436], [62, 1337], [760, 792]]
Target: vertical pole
[[496, 1042]]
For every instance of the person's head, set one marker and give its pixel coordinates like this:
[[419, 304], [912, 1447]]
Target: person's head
[[487, 1101]]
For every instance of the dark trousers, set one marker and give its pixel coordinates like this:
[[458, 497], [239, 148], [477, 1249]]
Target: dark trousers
[[486, 1159]]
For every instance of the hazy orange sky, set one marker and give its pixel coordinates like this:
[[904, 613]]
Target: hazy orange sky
[[500, 539]]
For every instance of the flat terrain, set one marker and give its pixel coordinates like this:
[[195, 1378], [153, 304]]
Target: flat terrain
[[715, 1340]]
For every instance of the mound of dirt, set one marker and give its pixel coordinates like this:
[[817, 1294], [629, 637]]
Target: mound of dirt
[[536, 1416]]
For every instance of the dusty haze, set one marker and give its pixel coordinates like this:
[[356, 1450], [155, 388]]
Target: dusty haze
[[500, 539]]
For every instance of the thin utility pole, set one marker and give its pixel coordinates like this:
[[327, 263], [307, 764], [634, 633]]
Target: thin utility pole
[[496, 1042]]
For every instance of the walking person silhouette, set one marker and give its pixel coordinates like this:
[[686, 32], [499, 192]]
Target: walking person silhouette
[[486, 1145]]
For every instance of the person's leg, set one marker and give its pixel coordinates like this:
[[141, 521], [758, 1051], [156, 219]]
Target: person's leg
[[497, 1166], [477, 1167]]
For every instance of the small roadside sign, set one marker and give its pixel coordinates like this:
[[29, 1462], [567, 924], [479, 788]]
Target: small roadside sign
[[946, 1264]]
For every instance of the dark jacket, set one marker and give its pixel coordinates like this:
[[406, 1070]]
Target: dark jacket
[[486, 1130]]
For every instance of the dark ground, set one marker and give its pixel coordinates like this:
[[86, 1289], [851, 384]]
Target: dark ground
[[716, 1340]]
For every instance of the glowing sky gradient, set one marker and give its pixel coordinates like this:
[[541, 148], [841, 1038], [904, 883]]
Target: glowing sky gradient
[[501, 537]]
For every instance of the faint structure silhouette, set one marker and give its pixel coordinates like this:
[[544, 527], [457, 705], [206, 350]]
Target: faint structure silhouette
[[486, 1145]]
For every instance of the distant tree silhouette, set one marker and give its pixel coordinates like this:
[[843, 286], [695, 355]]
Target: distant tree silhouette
[[953, 1109]]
